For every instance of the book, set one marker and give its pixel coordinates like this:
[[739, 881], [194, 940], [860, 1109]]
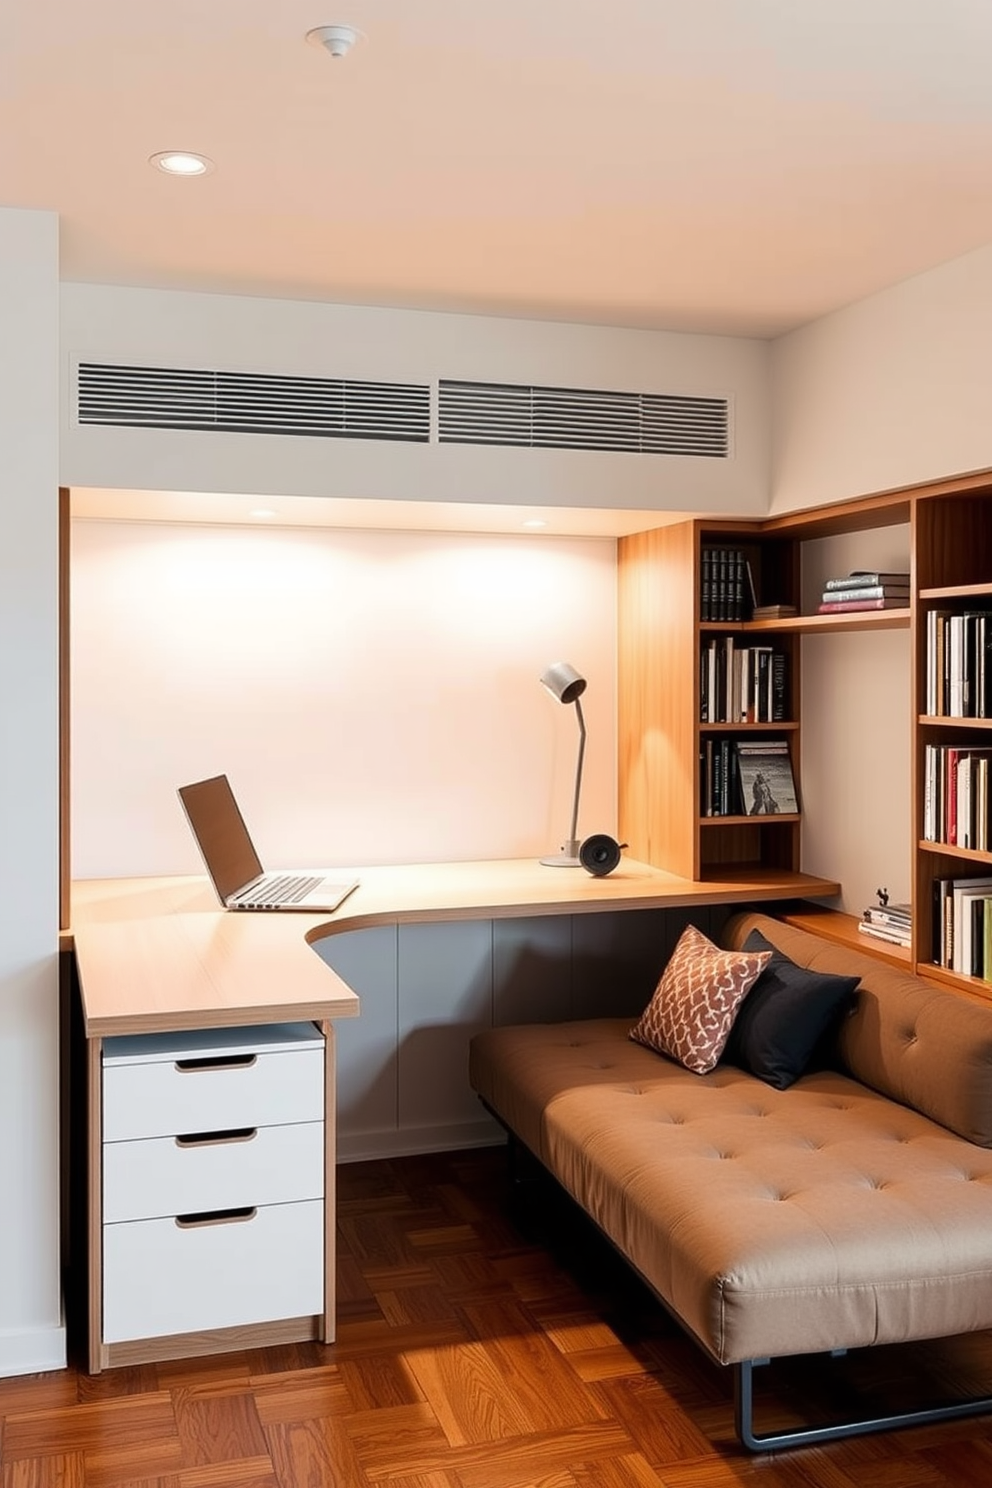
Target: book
[[868, 591], [885, 932], [829, 607], [773, 612], [767, 786], [867, 578]]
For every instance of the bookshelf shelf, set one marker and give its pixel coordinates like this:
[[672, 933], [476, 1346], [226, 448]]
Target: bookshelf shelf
[[778, 727], [950, 850], [779, 818], [806, 624], [851, 620], [958, 591], [942, 721], [973, 987]]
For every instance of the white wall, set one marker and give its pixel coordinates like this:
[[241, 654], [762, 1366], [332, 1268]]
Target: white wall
[[889, 392], [31, 1331], [373, 696], [170, 329]]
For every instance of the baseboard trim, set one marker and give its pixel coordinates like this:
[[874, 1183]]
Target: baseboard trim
[[37, 1352], [370, 1146]]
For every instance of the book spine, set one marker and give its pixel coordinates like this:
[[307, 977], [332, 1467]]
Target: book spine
[[706, 585], [738, 584], [778, 687]]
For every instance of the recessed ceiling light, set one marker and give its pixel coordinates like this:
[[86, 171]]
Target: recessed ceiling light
[[535, 522], [181, 163], [261, 512]]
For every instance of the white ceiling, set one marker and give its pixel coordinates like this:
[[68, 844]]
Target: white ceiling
[[738, 166]]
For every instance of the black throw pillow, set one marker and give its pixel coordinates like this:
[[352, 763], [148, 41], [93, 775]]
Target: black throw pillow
[[784, 1016]]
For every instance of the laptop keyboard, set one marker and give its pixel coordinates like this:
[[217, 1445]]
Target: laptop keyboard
[[284, 888]]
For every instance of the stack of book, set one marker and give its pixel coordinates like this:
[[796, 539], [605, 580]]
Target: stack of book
[[741, 684], [890, 922], [959, 664], [865, 589], [727, 585], [962, 926]]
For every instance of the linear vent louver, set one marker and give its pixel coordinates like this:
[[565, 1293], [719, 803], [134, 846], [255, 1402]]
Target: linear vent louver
[[252, 403], [582, 419]]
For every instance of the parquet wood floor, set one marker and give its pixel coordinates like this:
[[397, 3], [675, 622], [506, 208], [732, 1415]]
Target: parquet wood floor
[[487, 1339]]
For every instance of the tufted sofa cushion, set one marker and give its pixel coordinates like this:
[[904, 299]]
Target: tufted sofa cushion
[[773, 1222], [911, 1040]]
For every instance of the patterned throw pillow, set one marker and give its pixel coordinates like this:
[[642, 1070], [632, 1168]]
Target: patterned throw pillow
[[690, 1016]]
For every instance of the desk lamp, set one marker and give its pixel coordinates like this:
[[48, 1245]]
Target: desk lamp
[[564, 683]]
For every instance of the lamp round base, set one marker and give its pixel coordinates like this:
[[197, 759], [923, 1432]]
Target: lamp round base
[[562, 859]]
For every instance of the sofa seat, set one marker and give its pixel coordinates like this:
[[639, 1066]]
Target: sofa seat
[[821, 1217]]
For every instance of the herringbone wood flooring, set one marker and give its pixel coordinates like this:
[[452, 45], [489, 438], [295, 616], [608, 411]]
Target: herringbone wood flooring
[[486, 1339]]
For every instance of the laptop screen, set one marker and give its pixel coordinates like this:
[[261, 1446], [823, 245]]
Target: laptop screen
[[221, 834]]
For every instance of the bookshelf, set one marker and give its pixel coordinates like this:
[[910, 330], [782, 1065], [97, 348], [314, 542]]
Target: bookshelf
[[951, 809], [661, 732], [664, 732]]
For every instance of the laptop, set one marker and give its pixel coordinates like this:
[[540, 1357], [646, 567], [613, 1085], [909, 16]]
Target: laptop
[[233, 864]]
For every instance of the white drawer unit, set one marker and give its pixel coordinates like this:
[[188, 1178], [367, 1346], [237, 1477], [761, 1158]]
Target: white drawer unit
[[213, 1182]]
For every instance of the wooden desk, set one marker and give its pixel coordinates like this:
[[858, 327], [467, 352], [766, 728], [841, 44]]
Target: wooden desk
[[158, 955]]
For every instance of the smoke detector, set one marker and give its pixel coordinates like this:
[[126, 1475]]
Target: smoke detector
[[338, 40]]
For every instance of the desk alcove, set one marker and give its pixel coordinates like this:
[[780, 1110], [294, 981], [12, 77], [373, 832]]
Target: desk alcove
[[426, 954]]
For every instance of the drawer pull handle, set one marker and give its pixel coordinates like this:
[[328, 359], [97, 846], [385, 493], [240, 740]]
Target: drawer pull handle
[[216, 1138], [215, 1217], [218, 1061]]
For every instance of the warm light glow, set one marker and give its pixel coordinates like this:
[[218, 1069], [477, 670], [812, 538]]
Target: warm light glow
[[181, 163], [262, 512], [534, 523]]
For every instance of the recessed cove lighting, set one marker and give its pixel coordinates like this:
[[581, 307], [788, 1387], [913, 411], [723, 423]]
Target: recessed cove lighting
[[181, 163], [262, 513], [535, 523]]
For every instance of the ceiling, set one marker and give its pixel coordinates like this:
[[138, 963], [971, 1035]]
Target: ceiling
[[732, 166]]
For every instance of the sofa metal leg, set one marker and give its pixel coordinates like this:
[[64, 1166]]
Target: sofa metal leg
[[806, 1435]]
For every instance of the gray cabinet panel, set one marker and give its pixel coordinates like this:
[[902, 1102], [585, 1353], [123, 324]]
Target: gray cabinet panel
[[532, 969], [366, 1045], [618, 958], [445, 995]]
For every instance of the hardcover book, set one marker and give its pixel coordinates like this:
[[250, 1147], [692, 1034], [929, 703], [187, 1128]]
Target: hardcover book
[[767, 785], [839, 607], [865, 577]]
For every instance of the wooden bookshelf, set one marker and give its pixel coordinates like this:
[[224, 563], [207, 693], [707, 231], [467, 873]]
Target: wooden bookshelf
[[660, 639]]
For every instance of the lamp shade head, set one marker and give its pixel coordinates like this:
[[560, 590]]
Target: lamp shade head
[[564, 682]]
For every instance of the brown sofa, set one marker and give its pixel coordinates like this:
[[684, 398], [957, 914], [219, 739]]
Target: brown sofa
[[853, 1208]]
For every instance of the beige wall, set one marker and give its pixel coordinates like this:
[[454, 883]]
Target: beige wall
[[889, 392]]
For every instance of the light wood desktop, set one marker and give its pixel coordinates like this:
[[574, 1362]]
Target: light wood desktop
[[159, 955]]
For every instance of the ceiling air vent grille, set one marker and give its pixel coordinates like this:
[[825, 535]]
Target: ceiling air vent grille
[[252, 403], [582, 419]]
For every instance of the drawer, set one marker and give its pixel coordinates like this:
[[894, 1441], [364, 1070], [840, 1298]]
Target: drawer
[[212, 1093], [163, 1176], [160, 1277]]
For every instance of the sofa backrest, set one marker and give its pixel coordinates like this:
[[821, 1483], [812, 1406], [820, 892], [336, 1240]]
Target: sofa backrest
[[907, 1038]]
